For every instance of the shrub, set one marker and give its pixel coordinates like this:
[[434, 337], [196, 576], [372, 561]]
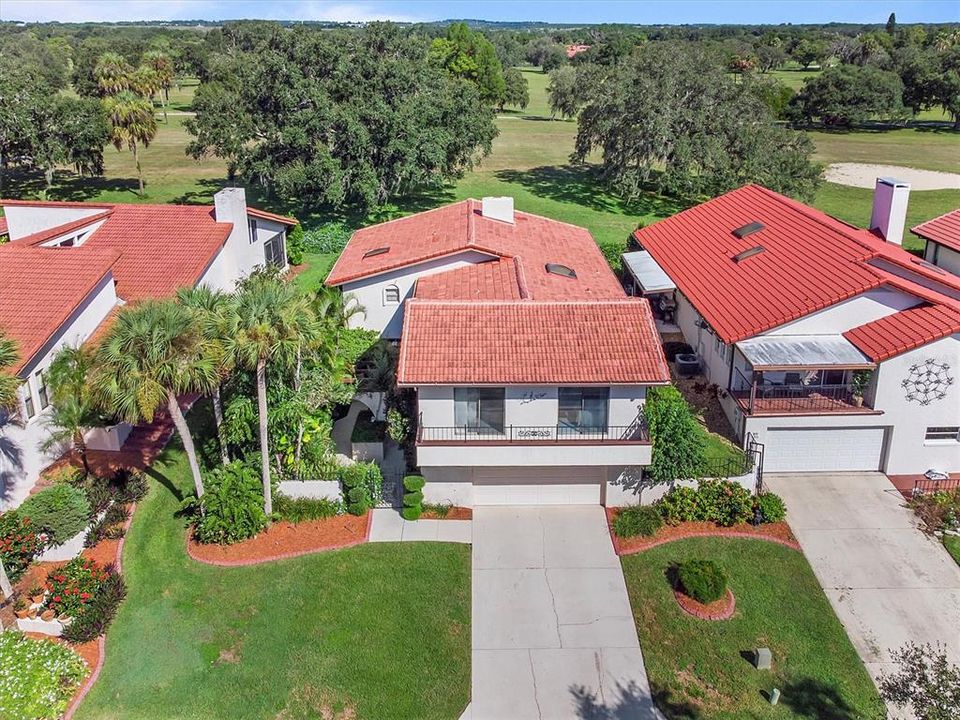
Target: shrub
[[613, 251], [329, 238], [440, 510], [772, 508], [412, 513], [637, 520], [39, 677], [99, 613], [413, 499], [703, 580], [678, 505], [73, 587], [362, 486], [297, 510], [19, 544], [129, 486], [413, 483], [720, 501], [61, 511], [678, 441], [232, 505], [295, 245], [938, 510]]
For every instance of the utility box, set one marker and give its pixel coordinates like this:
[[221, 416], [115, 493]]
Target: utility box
[[762, 658]]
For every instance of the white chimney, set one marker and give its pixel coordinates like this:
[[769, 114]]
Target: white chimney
[[230, 206], [890, 197], [498, 208]]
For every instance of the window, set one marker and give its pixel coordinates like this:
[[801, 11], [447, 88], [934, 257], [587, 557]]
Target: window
[[391, 295], [583, 408], [42, 390], [29, 409], [816, 378], [252, 228], [274, 250], [721, 347], [943, 434], [480, 410]]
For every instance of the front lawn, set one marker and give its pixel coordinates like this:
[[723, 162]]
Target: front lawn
[[952, 544], [376, 631], [697, 668]]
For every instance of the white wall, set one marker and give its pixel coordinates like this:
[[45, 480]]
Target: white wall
[[239, 256], [21, 459], [942, 256], [23, 220], [369, 292], [836, 319], [714, 357]]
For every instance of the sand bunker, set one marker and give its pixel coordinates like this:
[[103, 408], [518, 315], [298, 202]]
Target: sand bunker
[[865, 176]]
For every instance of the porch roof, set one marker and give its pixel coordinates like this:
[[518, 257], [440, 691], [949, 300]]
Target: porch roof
[[789, 352], [647, 272]]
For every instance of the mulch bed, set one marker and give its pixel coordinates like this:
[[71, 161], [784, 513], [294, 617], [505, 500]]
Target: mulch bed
[[456, 513], [722, 609], [285, 540], [771, 532]]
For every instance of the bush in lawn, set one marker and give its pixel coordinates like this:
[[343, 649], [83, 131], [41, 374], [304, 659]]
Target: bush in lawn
[[295, 245], [772, 508], [19, 544], [678, 444], [60, 511], [232, 505], [97, 615], [413, 497], [38, 677], [362, 485], [703, 580], [636, 520], [297, 510]]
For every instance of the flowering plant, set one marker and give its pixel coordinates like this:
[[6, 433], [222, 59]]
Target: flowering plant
[[72, 587], [19, 544]]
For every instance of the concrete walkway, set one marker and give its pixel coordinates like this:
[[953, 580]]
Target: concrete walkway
[[553, 632], [389, 526], [887, 581]]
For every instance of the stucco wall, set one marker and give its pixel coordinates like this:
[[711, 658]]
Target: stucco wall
[[23, 221], [943, 256], [369, 292], [843, 316]]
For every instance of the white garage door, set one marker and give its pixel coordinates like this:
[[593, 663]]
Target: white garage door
[[836, 449], [537, 486]]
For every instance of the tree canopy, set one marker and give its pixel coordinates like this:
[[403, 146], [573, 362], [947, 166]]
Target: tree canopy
[[338, 118], [468, 54], [849, 94]]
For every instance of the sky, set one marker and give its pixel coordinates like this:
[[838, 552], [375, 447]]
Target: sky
[[558, 11]]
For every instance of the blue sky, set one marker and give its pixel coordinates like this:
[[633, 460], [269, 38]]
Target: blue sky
[[570, 11]]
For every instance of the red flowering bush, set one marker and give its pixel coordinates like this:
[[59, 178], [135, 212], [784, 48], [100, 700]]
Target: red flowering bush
[[19, 544], [73, 587]]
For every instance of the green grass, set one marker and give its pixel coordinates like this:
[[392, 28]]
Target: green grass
[[696, 668], [318, 267], [383, 629], [720, 452], [952, 544], [917, 147]]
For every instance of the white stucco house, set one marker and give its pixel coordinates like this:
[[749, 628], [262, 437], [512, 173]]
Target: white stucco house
[[69, 265], [942, 241], [530, 363], [829, 344]]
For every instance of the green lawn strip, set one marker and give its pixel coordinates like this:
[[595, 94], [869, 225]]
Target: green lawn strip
[[853, 205], [720, 452], [695, 667], [952, 544], [384, 629], [917, 147], [318, 267]]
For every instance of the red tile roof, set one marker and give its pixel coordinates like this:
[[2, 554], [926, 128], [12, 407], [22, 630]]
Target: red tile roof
[[3, 226], [944, 230], [493, 280], [41, 288], [612, 342], [905, 330], [282, 219], [460, 227]]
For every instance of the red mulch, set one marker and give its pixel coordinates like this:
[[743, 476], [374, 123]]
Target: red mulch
[[721, 609], [456, 513], [286, 540], [771, 532]]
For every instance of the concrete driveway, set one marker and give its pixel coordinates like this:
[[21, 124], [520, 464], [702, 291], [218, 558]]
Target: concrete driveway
[[553, 633], [887, 581]]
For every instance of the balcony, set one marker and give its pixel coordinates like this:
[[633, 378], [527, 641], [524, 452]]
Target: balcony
[[534, 435], [769, 399]]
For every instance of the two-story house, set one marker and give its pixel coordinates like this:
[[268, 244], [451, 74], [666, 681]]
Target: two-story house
[[530, 363], [69, 265], [830, 344]]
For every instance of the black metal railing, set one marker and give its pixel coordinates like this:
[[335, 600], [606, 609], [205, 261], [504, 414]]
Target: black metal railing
[[520, 434], [767, 397]]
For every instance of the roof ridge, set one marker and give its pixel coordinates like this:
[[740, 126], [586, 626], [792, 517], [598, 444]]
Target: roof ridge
[[626, 300], [521, 277]]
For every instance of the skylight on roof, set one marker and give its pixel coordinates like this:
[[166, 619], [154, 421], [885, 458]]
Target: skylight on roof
[[558, 269], [375, 252], [748, 253], [748, 229]]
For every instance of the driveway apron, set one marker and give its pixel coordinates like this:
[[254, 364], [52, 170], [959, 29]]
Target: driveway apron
[[553, 633]]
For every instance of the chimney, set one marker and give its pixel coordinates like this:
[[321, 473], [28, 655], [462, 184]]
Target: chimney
[[230, 206], [498, 208], [889, 215]]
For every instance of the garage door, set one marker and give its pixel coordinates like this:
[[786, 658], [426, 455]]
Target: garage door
[[537, 486], [837, 449]]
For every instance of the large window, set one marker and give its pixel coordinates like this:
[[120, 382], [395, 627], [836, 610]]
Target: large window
[[583, 408], [815, 378], [479, 410], [274, 250]]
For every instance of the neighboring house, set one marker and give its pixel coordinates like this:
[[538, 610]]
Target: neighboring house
[[530, 363], [790, 311], [68, 266], [574, 50], [942, 235]]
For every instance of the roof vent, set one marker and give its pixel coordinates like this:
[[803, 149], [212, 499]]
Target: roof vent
[[375, 252], [748, 253], [748, 229], [557, 269]]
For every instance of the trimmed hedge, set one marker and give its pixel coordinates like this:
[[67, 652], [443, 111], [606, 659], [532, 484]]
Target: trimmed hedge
[[637, 520], [297, 510], [721, 501], [413, 483], [703, 580], [772, 508], [61, 511], [412, 513], [362, 485], [413, 497]]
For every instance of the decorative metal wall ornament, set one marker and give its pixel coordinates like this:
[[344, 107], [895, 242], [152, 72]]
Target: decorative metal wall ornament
[[927, 382]]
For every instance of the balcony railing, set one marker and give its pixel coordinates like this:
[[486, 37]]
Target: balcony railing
[[764, 398], [532, 435]]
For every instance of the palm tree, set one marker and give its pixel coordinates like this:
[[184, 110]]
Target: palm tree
[[162, 65], [214, 313], [73, 409], [112, 73], [9, 382], [273, 326], [132, 124], [152, 353]]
